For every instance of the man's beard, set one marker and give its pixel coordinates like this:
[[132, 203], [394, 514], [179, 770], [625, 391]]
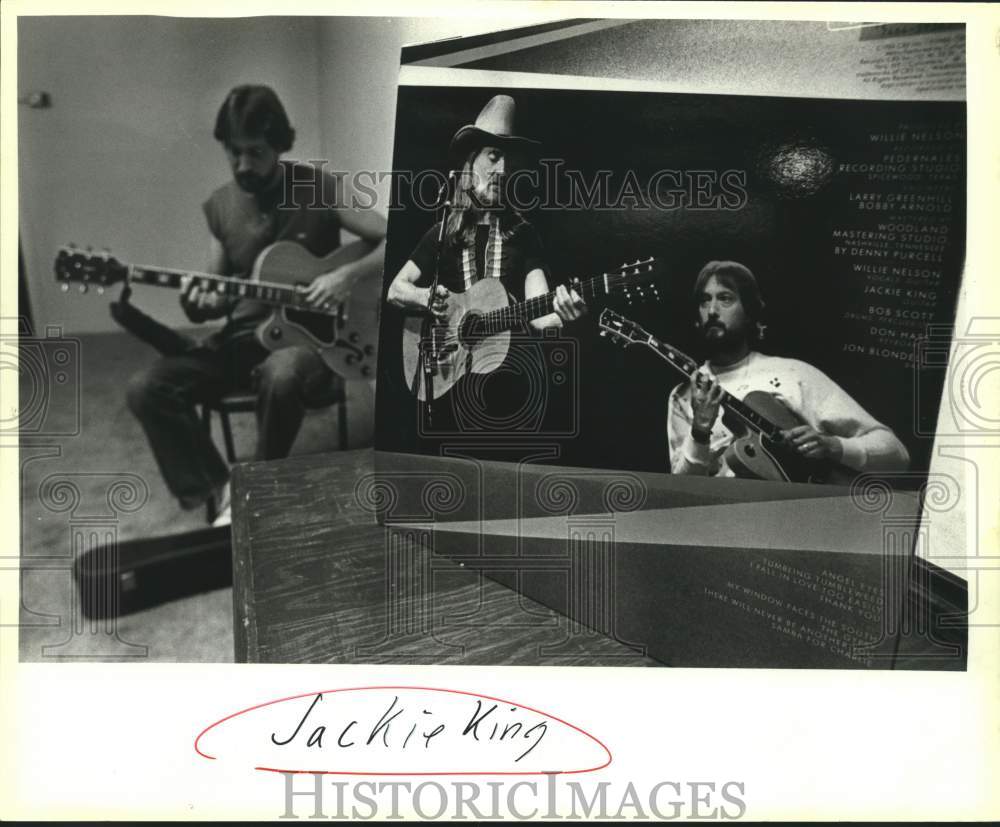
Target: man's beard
[[252, 182], [490, 193], [717, 338], [486, 198]]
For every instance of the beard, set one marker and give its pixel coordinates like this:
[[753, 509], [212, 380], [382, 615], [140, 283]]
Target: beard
[[251, 182], [488, 196], [255, 183], [717, 338]]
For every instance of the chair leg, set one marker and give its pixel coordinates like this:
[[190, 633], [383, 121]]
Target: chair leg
[[227, 435], [342, 424], [206, 423]]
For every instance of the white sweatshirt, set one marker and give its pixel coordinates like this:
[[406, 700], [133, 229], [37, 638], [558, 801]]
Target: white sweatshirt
[[818, 400]]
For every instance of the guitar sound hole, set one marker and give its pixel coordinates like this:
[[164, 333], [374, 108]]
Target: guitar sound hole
[[471, 330]]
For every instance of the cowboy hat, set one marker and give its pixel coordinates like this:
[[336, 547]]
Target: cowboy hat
[[493, 127]]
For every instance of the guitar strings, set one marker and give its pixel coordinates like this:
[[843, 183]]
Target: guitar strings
[[503, 316], [260, 288]]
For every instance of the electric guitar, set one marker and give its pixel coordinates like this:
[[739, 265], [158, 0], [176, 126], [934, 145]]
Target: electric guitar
[[474, 336], [758, 450], [345, 336]]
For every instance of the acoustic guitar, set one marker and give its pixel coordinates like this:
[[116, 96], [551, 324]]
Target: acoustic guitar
[[345, 336], [759, 450], [475, 334]]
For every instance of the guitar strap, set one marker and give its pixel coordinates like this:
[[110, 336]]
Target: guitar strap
[[492, 259], [167, 341]]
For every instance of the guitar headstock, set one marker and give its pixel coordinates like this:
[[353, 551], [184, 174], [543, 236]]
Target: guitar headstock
[[86, 268], [621, 331], [637, 280]]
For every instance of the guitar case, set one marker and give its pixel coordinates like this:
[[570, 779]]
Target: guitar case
[[129, 576], [126, 577]]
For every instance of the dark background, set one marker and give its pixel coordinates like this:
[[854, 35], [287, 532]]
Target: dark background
[[782, 234]]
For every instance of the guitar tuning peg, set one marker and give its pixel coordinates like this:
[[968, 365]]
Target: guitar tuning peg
[[83, 288], [64, 287], [90, 249], [100, 290], [71, 245]]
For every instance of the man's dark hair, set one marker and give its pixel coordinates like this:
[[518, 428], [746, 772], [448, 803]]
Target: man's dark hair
[[736, 277], [256, 112]]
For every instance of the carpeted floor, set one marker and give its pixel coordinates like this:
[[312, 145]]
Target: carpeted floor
[[82, 453]]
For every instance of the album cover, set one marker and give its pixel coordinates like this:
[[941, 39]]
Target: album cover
[[835, 224]]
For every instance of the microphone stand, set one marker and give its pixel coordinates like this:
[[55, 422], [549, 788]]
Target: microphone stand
[[430, 365]]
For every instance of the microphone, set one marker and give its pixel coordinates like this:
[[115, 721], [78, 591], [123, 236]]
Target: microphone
[[446, 189]]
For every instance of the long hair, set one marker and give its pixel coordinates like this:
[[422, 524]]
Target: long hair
[[460, 228], [254, 111]]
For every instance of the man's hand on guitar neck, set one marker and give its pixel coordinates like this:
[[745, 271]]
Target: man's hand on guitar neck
[[202, 305], [568, 304]]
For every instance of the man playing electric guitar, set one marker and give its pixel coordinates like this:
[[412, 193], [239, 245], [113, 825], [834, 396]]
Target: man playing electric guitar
[[835, 429], [268, 200], [482, 239]]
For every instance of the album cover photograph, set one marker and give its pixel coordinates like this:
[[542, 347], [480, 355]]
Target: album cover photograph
[[676, 359]]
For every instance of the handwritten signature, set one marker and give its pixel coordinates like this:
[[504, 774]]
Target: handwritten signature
[[399, 724]]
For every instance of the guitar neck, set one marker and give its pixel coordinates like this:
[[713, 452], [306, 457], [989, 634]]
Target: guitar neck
[[231, 286], [686, 365], [514, 315]]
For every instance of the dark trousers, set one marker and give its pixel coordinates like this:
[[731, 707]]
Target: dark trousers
[[163, 398]]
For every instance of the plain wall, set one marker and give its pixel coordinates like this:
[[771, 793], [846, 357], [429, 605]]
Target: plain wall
[[125, 156], [359, 70]]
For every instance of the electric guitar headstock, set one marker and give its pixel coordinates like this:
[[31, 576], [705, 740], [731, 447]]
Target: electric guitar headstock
[[621, 331], [637, 280], [87, 268]]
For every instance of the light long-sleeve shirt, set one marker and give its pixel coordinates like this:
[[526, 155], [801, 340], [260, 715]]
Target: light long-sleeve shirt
[[808, 392]]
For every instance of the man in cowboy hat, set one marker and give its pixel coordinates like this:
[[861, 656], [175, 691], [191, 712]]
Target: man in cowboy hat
[[483, 238]]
